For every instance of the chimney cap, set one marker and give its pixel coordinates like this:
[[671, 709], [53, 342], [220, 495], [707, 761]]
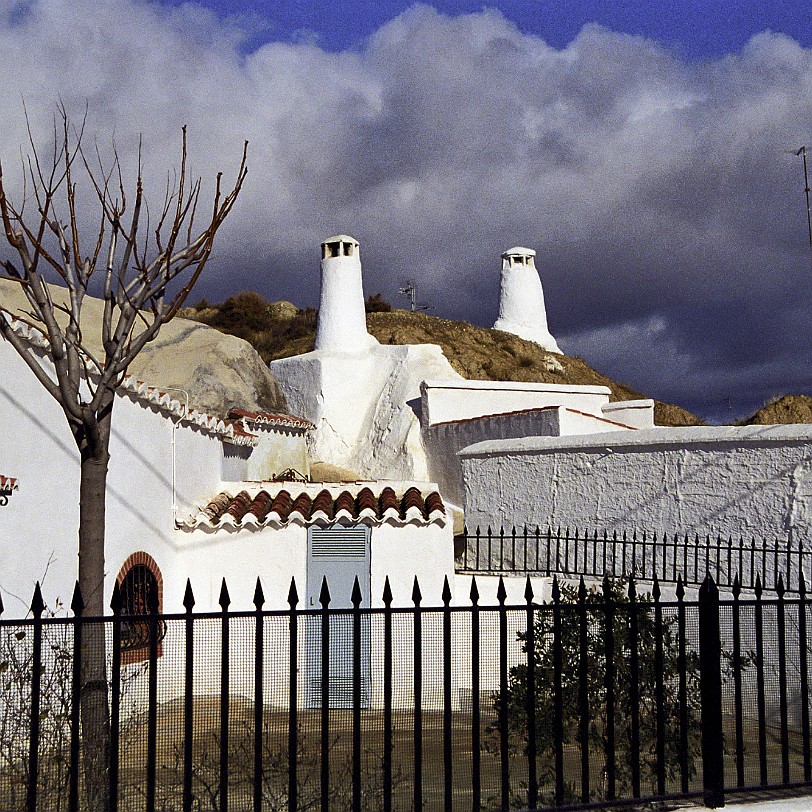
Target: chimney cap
[[340, 238], [519, 251]]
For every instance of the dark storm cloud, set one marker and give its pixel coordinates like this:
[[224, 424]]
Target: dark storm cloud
[[660, 195]]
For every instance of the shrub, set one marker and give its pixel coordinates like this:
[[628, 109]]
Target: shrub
[[647, 636]]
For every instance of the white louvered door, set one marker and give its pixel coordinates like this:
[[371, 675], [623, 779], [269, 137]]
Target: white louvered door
[[339, 554]]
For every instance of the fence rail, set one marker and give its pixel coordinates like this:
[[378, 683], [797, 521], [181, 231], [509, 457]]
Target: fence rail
[[602, 695], [645, 555]]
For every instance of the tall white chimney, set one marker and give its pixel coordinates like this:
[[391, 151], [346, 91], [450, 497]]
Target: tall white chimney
[[342, 325], [521, 299]]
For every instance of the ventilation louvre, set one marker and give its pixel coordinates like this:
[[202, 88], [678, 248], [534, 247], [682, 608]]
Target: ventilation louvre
[[350, 542]]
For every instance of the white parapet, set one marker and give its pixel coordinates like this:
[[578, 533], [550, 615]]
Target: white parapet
[[447, 400], [521, 299], [342, 325]]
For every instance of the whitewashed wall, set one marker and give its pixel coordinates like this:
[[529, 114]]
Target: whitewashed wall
[[751, 481], [444, 441], [39, 525], [365, 407], [444, 401]]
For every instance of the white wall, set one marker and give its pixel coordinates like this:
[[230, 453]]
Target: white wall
[[751, 481], [444, 440], [39, 526], [444, 401], [365, 407], [638, 414]]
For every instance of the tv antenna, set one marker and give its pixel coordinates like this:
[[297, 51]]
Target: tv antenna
[[410, 291], [802, 154]]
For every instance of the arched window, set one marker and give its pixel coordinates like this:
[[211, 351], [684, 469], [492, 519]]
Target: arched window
[[141, 587]]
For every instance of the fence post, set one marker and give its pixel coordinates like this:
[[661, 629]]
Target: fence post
[[188, 696], [116, 603], [356, 599], [710, 675], [532, 773], [225, 690], [418, 694], [37, 608], [504, 755], [387, 696], [476, 756], [558, 701], [324, 775], [77, 605], [152, 698], [448, 761]]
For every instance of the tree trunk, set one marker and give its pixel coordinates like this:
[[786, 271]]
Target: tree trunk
[[95, 710]]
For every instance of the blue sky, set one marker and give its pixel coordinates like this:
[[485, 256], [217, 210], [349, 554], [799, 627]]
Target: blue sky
[[645, 151], [697, 29]]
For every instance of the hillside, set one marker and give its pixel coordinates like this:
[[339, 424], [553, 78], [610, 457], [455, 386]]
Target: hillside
[[279, 330], [786, 409]]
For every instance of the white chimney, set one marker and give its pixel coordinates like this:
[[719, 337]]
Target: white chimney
[[342, 325], [521, 300]]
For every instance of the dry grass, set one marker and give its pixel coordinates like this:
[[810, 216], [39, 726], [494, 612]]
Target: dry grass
[[786, 409]]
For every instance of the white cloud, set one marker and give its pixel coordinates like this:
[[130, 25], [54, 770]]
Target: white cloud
[[651, 188]]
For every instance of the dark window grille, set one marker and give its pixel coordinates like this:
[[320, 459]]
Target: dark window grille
[[139, 591]]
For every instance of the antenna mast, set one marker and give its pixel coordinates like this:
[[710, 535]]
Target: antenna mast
[[410, 291], [802, 152]]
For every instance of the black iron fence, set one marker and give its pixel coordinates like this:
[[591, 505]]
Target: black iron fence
[[644, 555], [597, 696]]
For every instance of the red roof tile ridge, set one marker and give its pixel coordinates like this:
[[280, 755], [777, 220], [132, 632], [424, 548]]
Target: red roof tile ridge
[[270, 418], [598, 417], [245, 510], [8, 483]]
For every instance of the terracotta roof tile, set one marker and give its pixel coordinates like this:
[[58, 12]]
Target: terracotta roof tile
[[8, 483], [239, 506], [344, 507], [388, 502], [270, 419], [323, 503], [282, 505], [261, 506], [366, 501]]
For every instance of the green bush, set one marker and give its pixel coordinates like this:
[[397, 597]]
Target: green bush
[[516, 697]]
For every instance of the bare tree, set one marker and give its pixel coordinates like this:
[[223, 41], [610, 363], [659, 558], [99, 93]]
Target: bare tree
[[144, 272]]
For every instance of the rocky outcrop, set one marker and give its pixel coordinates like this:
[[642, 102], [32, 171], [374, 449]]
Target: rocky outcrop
[[219, 371]]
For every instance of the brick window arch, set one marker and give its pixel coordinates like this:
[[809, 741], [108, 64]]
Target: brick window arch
[[140, 582]]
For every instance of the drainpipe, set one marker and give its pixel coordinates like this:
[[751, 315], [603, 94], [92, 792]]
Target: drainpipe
[[175, 425]]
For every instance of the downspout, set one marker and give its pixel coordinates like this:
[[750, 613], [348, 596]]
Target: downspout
[[175, 425]]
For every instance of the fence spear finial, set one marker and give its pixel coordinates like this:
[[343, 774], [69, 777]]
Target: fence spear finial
[[259, 595], [188, 596], [356, 596], [416, 596], [37, 603], [225, 599], [293, 593], [77, 604], [324, 595], [115, 599], [501, 592]]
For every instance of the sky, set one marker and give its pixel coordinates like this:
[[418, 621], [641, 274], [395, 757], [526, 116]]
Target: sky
[[644, 150]]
